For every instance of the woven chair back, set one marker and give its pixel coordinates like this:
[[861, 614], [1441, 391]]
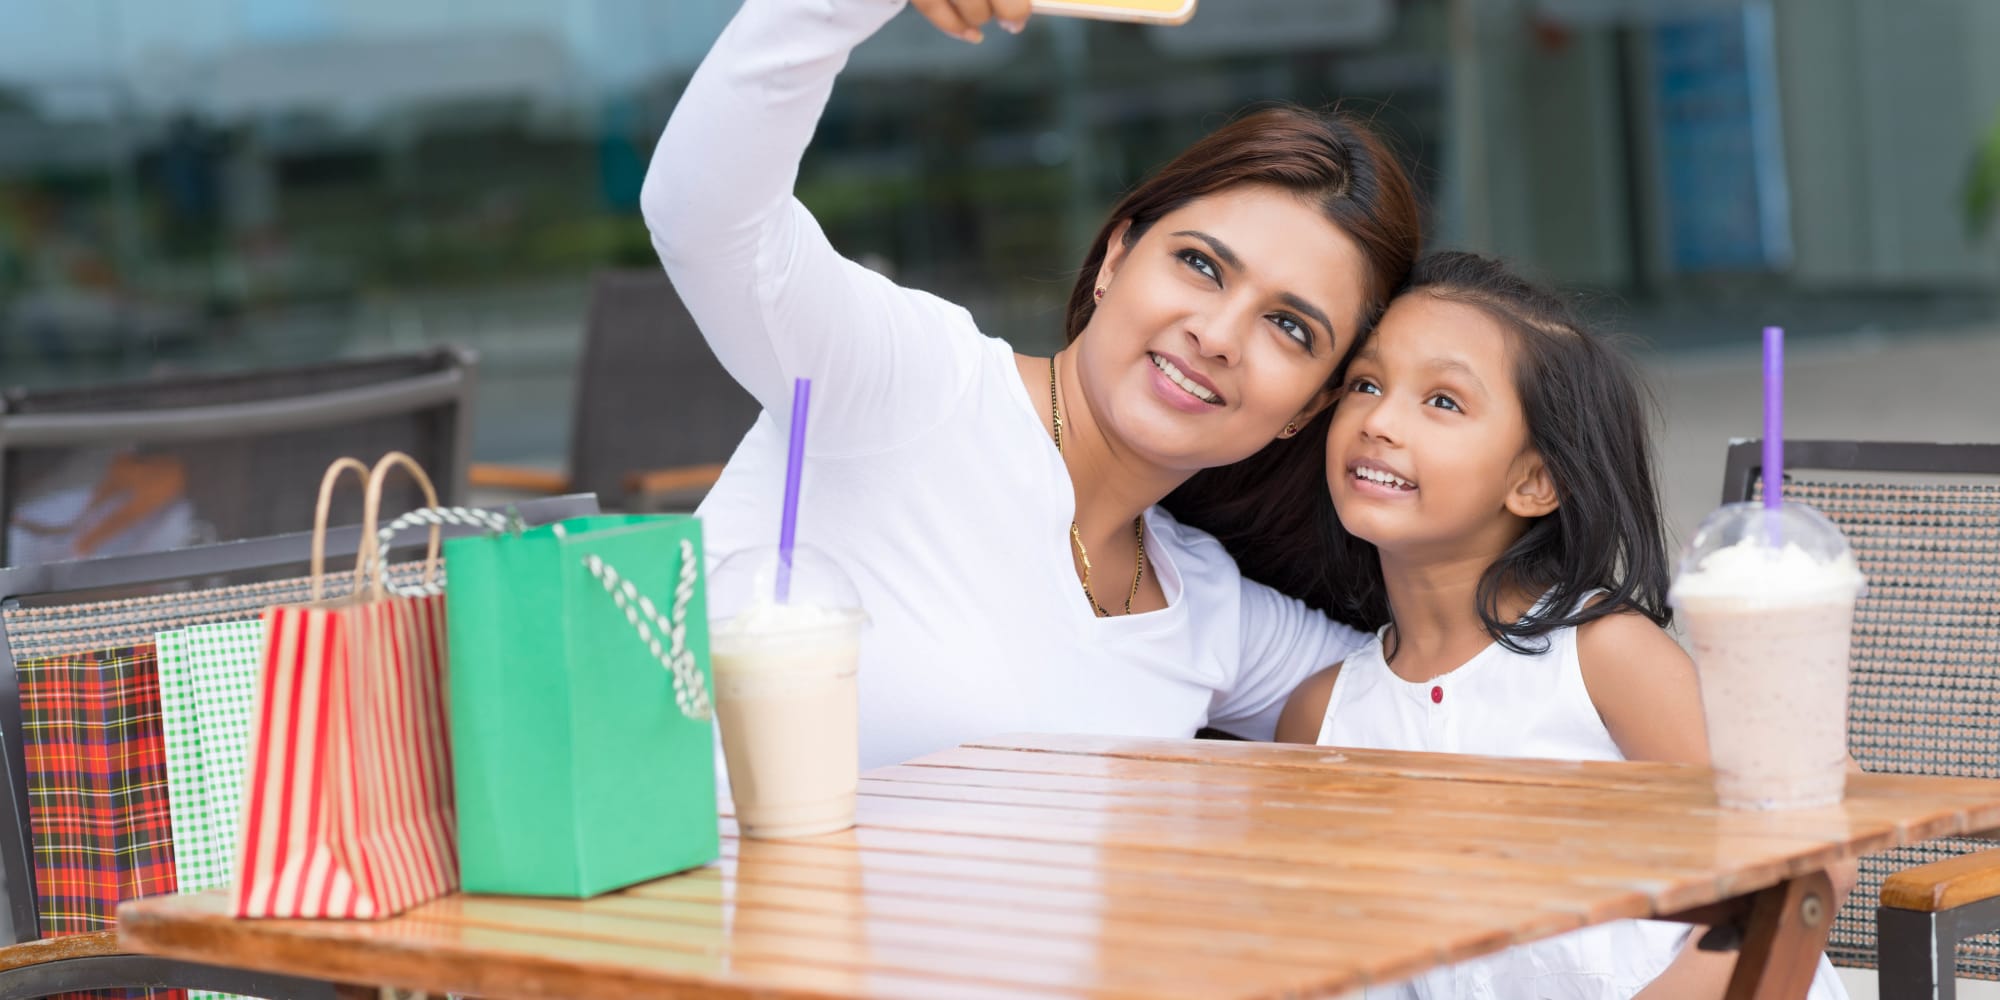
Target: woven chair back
[[1925, 696]]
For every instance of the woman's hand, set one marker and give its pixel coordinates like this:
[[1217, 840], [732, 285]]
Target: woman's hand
[[962, 19]]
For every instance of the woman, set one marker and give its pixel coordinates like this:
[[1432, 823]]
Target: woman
[[998, 512]]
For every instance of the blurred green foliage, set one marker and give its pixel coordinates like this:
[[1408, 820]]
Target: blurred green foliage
[[1982, 184]]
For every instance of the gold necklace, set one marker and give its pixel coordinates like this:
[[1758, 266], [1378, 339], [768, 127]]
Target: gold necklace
[[1076, 536]]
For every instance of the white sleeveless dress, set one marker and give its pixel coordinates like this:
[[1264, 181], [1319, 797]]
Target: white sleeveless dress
[[1506, 704]]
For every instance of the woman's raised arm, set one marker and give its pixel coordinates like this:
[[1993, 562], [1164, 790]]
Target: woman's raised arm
[[718, 196], [773, 298]]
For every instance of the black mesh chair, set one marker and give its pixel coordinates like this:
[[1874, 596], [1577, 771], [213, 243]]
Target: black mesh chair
[[49, 610], [655, 415], [1924, 520], [178, 460]]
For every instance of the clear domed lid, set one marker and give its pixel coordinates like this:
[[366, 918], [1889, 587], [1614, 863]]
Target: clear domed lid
[[1747, 551], [750, 579]]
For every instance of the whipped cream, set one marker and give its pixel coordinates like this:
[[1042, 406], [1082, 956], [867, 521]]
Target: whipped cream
[[1752, 573]]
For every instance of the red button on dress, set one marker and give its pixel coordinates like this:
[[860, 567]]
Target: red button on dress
[[1437, 695]]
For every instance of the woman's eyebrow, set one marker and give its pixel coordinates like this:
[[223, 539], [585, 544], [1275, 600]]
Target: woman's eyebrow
[[1228, 257], [1220, 248], [1312, 313]]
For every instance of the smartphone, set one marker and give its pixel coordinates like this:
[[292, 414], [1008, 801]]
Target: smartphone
[[1149, 11]]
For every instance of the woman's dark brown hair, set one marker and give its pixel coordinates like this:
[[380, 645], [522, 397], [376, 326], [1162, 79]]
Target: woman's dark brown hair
[[1265, 507]]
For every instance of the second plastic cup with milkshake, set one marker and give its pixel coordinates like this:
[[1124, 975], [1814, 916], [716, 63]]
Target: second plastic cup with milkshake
[[1766, 591], [1767, 598]]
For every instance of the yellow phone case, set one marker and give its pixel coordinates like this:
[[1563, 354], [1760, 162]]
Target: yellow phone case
[[1150, 11]]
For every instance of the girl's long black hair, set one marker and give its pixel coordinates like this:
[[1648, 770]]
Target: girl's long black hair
[[1587, 414]]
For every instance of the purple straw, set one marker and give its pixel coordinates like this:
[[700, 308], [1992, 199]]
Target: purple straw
[[1774, 417], [794, 465]]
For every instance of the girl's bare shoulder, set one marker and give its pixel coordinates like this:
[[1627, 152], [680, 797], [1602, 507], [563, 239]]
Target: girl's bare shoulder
[[1305, 710]]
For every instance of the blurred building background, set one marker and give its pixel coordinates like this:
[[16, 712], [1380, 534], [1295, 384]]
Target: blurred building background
[[225, 183]]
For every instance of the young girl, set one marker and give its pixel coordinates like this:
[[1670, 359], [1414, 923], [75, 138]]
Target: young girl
[[1489, 458]]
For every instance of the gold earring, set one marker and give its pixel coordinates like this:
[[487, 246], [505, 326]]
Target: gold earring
[[1100, 292], [1290, 429]]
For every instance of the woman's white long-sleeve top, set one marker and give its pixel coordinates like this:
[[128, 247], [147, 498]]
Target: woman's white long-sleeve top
[[929, 475]]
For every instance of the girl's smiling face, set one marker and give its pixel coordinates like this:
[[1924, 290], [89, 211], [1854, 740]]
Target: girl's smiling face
[[1429, 448]]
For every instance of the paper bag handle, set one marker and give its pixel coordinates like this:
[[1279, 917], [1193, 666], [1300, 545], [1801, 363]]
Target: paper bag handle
[[320, 510], [689, 692], [372, 509]]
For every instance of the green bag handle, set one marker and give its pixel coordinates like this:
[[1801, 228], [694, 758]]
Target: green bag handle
[[433, 584], [690, 694], [652, 626]]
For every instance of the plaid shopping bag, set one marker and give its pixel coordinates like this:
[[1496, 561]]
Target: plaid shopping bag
[[208, 688], [97, 785], [349, 810]]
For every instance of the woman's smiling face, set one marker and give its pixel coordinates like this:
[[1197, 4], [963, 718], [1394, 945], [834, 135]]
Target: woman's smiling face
[[1219, 325]]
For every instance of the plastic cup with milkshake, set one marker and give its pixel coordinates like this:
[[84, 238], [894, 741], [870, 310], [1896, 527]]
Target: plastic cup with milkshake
[[1767, 598], [1766, 592], [785, 694], [784, 649]]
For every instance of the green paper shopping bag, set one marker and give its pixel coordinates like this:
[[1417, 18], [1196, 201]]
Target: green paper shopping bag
[[582, 745]]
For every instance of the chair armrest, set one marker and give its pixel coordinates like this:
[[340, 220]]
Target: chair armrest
[[1944, 885], [517, 478], [643, 488], [36, 952]]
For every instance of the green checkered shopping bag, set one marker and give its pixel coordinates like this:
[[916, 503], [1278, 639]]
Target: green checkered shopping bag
[[208, 690]]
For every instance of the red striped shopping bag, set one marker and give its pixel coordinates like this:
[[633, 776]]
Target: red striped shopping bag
[[348, 799]]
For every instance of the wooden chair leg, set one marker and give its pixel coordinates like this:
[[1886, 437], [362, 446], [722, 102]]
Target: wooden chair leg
[[1916, 953], [1789, 923]]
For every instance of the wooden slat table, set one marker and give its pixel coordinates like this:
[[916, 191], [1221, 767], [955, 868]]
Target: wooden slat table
[[1085, 866]]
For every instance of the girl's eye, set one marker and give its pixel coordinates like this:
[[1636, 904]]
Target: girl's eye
[[1444, 402], [1200, 262], [1364, 385], [1293, 328]]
